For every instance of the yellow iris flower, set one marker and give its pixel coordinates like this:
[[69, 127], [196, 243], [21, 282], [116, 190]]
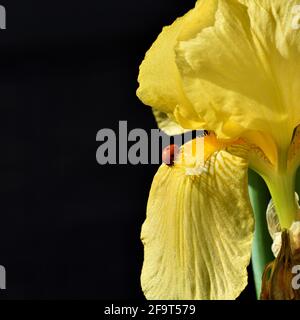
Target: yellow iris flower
[[231, 67]]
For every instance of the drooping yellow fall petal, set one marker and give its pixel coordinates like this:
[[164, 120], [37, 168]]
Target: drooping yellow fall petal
[[198, 231], [242, 73]]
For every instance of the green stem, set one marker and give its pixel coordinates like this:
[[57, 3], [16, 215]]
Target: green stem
[[261, 249]]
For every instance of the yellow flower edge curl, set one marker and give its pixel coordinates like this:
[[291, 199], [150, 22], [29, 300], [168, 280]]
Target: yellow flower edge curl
[[230, 67]]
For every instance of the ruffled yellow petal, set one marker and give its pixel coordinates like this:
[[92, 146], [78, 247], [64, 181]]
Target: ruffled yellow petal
[[159, 78], [242, 73], [198, 231]]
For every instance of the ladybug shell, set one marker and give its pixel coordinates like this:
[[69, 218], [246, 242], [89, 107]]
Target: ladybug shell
[[169, 154]]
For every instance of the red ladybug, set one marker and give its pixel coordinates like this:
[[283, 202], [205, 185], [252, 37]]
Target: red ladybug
[[169, 154]]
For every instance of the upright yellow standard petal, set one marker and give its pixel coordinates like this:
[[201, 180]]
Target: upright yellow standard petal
[[242, 73], [198, 231], [159, 78]]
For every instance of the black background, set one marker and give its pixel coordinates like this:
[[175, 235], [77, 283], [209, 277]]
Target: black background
[[69, 228]]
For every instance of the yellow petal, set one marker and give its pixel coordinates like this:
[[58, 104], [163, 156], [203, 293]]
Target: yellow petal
[[167, 124], [242, 73], [198, 231], [195, 152], [159, 78], [264, 142]]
